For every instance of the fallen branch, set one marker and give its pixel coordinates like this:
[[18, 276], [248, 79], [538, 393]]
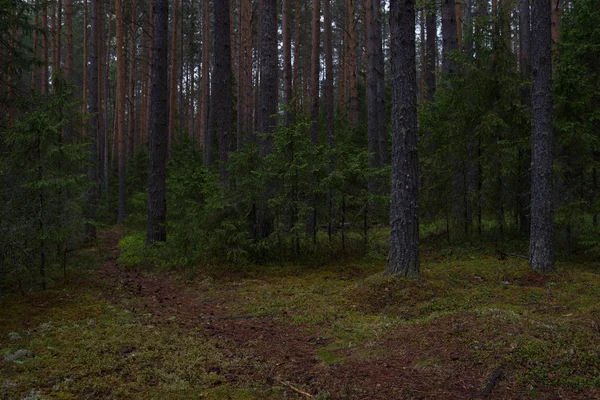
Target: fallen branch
[[295, 389], [493, 380], [504, 255], [213, 317]]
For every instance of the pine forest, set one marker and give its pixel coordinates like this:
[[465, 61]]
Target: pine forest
[[297, 199]]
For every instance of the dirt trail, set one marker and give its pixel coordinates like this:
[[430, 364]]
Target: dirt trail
[[283, 353]]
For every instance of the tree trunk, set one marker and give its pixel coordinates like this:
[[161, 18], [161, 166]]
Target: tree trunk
[[221, 87], [120, 114], [431, 53], [245, 74], [159, 126], [131, 143], [268, 74], [329, 100], [287, 58], [85, 61], [205, 92], [315, 68], [524, 195], [541, 250], [92, 130], [384, 152], [173, 75], [351, 71], [372, 97], [45, 55], [449, 38], [403, 259]]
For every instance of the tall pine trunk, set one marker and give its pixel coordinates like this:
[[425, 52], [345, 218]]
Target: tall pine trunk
[[159, 126], [120, 114], [403, 259], [541, 249], [221, 93]]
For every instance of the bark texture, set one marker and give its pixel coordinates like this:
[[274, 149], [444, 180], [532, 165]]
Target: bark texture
[[403, 259], [449, 36], [431, 28], [120, 133], [92, 131], [315, 70], [541, 249], [159, 128], [268, 74], [222, 95]]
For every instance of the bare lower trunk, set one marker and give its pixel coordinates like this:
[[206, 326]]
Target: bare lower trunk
[[403, 259], [541, 249]]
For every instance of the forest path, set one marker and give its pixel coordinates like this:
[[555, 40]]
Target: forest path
[[429, 360]]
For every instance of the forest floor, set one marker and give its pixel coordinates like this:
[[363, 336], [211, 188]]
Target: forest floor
[[474, 327]]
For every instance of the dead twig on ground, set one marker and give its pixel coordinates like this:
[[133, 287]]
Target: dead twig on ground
[[504, 255], [493, 380], [295, 389]]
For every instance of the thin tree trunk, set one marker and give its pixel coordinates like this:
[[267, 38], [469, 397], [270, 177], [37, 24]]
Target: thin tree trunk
[[173, 75], [132, 78], [205, 92], [287, 58], [351, 71], [524, 194], [315, 71], [403, 259], [449, 37], [92, 131], [384, 152], [159, 126], [329, 100], [85, 61], [372, 97], [541, 249], [222, 87], [34, 68], [45, 55], [120, 131]]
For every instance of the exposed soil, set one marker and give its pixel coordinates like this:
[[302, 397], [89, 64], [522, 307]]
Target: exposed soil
[[406, 363]]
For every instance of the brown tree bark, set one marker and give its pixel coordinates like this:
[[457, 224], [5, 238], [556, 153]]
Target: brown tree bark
[[159, 125], [120, 133], [173, 75], [92, 131], [132, 137], [449, 37], [45, 51], [34, 68], [287, 57], [204, 94], [245, 74], [85, 61], [329, 100], [315, 68], [221, 90], [351, 64]]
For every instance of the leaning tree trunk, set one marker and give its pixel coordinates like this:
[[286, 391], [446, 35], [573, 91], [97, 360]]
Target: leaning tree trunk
[[403, 257], [541, 251], [159, 126]]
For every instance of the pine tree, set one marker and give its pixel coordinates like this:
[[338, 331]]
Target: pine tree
[[403, 259], [159, 126]]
